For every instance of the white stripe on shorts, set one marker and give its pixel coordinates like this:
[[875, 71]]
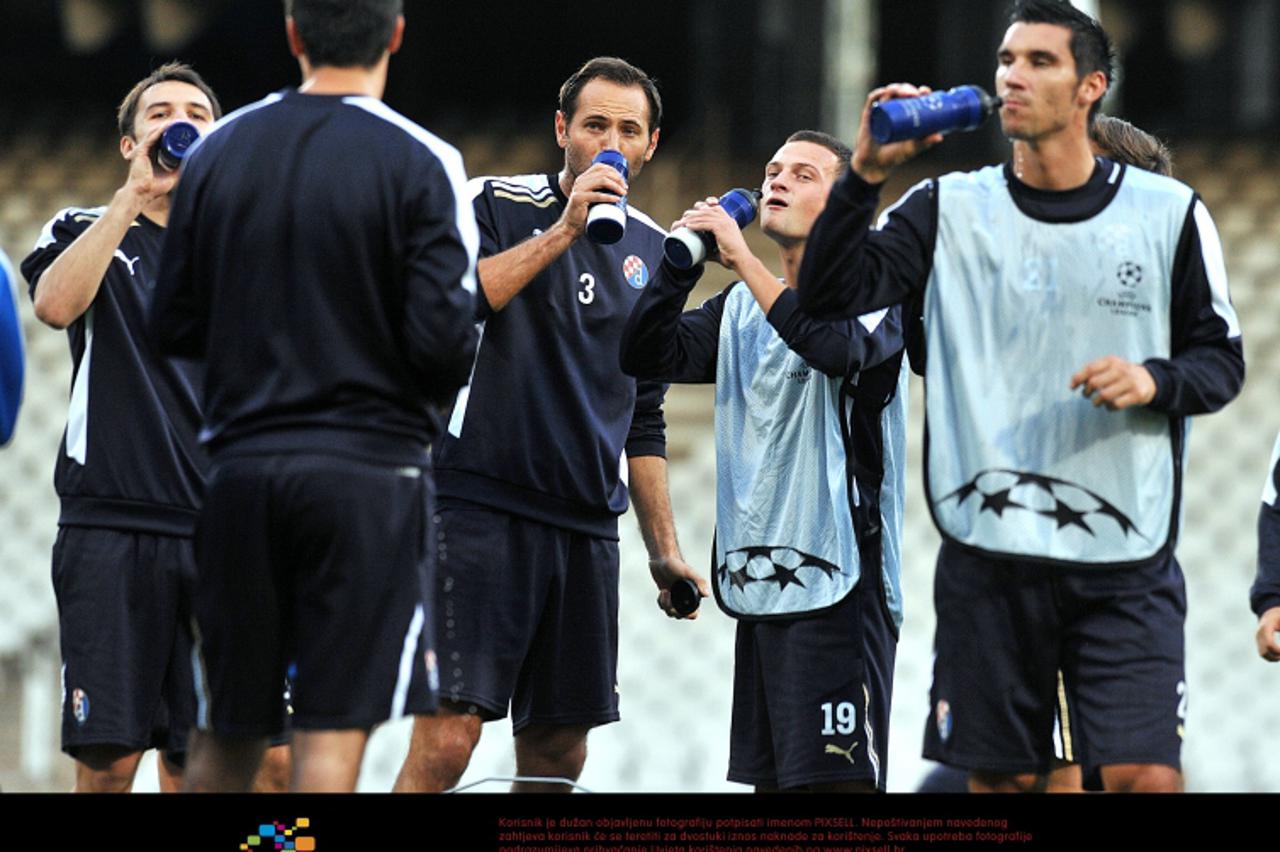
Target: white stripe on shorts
[[202, 687], [872, 754], [405, 676]]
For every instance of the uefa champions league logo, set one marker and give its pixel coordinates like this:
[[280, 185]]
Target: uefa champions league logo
[[1127, 298], [1129, 274], [1065, 504], [772, 564]]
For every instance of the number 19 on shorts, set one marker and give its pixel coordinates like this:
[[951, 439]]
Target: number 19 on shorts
[[839, 718]]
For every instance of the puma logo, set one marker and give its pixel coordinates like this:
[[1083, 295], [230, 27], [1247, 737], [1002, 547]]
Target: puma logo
[[127, 262], [832, 748]]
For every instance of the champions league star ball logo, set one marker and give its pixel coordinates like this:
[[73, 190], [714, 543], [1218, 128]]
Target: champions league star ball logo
[[1127, 300], [781, 565], [636, 273], [1065, 503], [1129, 274]]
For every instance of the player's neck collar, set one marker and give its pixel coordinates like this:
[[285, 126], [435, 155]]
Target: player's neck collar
[[1070, 205]]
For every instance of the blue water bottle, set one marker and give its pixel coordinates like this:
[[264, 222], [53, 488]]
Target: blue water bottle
[[961, 108], [607, 222], [685, 248], [173, 144]]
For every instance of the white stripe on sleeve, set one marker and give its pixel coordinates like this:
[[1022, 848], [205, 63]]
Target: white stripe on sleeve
[[77, 440], [1269, 490], [453, 168], [1216, 268]]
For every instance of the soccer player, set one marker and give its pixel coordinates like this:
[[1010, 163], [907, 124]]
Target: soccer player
[[810, 454], [1264, 597], [130, 471], [1057, 272], [11, 358], [542, 451], [320, 261], [1118, 140]]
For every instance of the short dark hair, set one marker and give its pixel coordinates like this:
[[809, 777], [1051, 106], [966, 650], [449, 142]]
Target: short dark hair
[[614, 70], [344, 33], [127, 112], [1091, 47], [1119, 140], [842, 151]]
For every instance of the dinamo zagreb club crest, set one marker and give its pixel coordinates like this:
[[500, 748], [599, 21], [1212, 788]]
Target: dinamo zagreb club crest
[[942, 718], [80, 706], [634, 270]]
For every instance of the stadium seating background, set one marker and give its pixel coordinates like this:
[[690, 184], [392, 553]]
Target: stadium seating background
[[675, 677]]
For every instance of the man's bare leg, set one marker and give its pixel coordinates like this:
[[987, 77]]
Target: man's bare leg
[[273, 774], [1065, 778], [327, 761], [217, 764], [439, 749], [106, 769], [1141, 778], [999, 782], [550, 751]]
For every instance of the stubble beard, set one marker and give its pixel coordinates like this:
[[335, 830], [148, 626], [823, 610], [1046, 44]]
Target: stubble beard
[[575, 164], [1015, 134]]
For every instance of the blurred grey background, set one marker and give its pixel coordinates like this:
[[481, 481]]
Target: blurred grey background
[[737, 76]]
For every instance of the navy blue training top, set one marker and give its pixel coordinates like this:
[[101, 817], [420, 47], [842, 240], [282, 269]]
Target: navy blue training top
[[129, 457], [321, 260], [542, 429]]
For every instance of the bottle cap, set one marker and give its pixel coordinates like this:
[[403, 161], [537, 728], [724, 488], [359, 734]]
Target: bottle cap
[[174, 142], [684, 249], [685, 597], [606, 223]]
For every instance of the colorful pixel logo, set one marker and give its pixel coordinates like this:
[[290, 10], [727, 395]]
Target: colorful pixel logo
[[274, 835]]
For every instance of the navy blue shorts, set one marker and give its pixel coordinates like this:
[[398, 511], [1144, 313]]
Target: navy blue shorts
[[811, 696], [124, 620], [320, 561], [528, 617], [1006, 629]]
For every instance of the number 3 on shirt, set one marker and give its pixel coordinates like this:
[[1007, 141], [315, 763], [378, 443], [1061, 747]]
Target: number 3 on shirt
[[587, 294]]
